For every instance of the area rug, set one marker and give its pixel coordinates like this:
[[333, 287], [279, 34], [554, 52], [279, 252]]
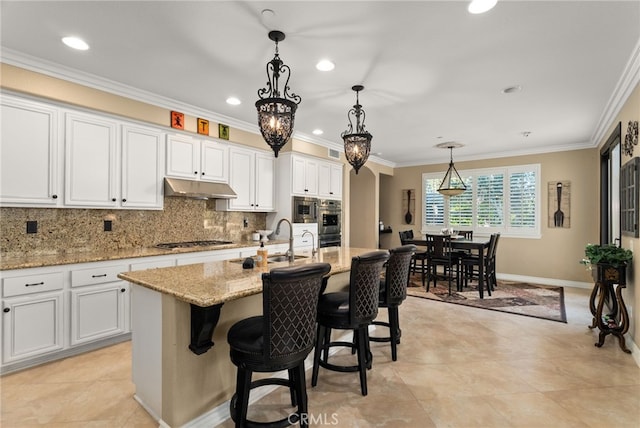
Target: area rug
[[532, 300]]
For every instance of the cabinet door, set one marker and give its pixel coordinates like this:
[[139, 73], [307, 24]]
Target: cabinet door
[[304, 176], [311, 177], [298, 173], [214, 161], [265, 182], [242, 179], [29, 147], [99, 311], [324, 179], [142, 168], [183, 156], [335, 189], [32, 326], [91, 161]]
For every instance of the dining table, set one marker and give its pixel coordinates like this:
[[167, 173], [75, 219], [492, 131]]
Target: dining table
[[475, 245]]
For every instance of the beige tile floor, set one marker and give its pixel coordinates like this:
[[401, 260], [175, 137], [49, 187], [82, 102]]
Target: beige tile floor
[[457, 367]]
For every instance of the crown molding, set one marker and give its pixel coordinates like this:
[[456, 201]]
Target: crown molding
[[625, 86]]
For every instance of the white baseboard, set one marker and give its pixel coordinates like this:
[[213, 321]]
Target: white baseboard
[[545, 281]]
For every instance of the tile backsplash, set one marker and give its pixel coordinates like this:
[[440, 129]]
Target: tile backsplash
[[83, 229]]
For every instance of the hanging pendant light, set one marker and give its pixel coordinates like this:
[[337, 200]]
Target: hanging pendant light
[[276, 107], [357, 145], [452, 184]]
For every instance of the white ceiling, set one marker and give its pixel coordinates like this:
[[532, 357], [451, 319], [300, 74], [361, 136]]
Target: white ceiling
[[432, 72]]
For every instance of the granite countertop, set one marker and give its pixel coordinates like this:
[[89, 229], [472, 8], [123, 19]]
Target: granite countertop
[[207, 284], [64, 258]]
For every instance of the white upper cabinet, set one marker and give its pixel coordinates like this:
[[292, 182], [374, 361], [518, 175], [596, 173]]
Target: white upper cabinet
[[188, 157], [304, 177], [108, 170], [29, 160], [91, 161], [252, 177], [214, 162], [330, 180], [142, 167], [265, 182]]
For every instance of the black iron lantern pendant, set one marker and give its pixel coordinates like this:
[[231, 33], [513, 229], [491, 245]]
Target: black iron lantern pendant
[[357, 145], [276, 107]]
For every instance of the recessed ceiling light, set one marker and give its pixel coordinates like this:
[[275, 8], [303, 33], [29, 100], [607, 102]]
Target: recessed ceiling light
[[317, 132], [481, 6], [325, 65], [233, 101], [75, 43], [512, 89]]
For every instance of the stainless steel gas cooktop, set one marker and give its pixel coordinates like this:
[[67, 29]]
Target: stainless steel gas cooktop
[[191, 244]]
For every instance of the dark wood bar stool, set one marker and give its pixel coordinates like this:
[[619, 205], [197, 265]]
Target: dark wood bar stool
[[393, 291], [354, 309], [280, 339]]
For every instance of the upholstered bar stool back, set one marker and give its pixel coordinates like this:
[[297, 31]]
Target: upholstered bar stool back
[[354, 309], [280, 339], [393, 291]]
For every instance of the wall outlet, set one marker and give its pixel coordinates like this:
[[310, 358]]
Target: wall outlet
[[108, 225], [245, 222], [32, 226]]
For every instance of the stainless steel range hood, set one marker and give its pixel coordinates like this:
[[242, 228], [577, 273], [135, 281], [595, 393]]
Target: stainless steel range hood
[[197, 189]]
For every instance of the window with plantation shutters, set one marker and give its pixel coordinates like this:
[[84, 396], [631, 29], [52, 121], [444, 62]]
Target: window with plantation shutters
[[490, 200], [522, 200], [504, 200], [461, 207], [433, 203]]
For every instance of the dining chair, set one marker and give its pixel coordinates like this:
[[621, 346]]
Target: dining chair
[[406, 238], [471, 264], [440, 253]]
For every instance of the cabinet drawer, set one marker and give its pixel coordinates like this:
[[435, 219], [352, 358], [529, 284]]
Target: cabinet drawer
[[97, 275], [30, 284]]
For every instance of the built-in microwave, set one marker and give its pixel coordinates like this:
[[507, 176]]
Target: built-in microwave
[[305, 209]]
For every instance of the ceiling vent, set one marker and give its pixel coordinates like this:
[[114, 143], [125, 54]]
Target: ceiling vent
[[334, 154]]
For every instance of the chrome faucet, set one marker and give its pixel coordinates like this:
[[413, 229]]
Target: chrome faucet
[[290, 252], [313, 242]]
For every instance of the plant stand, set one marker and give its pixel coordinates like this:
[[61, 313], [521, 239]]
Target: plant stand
[[607, 290]]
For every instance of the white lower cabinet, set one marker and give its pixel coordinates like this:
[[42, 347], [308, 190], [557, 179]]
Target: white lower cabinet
[[99, 303], [99, 311], [33, 314], [32, 326]]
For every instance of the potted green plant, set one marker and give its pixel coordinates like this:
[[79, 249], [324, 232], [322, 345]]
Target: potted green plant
[[608, 254]]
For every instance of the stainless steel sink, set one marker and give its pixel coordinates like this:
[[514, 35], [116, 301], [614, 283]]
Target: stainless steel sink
[[276, 258], [283, 258]]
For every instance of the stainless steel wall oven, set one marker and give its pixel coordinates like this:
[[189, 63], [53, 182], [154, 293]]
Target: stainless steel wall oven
[[329, 223]]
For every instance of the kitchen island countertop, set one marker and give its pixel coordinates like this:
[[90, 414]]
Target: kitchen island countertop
[[207, 284]]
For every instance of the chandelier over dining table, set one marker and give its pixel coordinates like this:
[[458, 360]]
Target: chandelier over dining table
[[276, 106], [452, 184]]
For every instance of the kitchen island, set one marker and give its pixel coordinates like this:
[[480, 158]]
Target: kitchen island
[[174, 383]]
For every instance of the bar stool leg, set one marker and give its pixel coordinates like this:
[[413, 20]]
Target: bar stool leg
[[362, 359], [317, 354]]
